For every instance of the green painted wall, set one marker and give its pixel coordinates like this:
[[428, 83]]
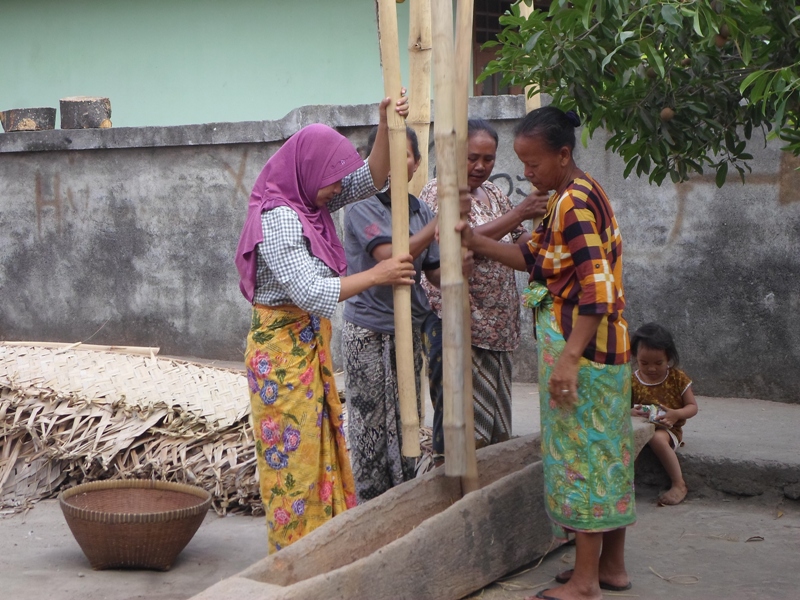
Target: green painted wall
[[176, 62]]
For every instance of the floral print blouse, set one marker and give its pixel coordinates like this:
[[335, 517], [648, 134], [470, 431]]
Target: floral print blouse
[[493, 294]]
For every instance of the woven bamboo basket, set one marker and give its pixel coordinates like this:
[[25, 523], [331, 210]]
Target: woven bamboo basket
[[133, 523]]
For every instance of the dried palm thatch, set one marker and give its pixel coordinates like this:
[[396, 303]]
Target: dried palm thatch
[[69, 415]]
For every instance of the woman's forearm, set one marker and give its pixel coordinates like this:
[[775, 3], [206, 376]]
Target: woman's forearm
[[583, 331], [398, 270], [434, 276], [416, 243], [352, 285], [509, 255], [500, 226], [379, 157]]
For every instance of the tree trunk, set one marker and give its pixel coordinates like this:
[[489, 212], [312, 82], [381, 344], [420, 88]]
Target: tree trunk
[[28, 119], [82, 112]]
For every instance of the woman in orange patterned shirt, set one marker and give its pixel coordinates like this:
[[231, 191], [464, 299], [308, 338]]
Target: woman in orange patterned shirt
[[574, 259]]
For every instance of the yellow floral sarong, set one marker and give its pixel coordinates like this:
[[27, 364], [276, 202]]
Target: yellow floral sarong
[[303, 465]]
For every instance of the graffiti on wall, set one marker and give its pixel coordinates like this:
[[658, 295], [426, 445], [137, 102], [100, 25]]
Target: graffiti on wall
[[52, 200], [238, 177], [46, 202], [510, 186]]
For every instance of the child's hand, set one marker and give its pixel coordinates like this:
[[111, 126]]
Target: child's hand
[[637, 411], [669, 419], [401, 106]]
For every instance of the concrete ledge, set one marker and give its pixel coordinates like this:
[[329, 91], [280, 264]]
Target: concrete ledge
[[246, 132], [737, 446], [733, 475], [419, 540]]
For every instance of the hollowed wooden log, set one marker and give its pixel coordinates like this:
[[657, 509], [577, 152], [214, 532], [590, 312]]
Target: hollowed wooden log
[[419, 540]]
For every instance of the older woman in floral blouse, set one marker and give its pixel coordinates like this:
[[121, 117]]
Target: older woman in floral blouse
[[494, 299]]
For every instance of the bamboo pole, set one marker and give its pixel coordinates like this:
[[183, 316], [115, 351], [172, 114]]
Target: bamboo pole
[[531, 102], [453, 283], [404, 348], [419, 61], [419, 112], [463, 82]]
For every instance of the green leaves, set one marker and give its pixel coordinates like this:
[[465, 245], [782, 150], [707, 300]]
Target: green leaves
[[722, 174], [723, 69], [670, 15]]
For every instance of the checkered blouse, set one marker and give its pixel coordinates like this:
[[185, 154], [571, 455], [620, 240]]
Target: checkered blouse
[[287, 272], [577, 253]]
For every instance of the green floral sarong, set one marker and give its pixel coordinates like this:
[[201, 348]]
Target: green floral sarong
[[587, 450]]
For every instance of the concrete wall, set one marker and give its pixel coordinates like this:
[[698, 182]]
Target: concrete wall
[[192, 61], [127, 236]]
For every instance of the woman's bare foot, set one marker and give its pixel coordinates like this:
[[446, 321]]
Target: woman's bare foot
[[673, 495]]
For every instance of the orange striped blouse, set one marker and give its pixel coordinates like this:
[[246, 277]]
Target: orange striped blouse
[[577, 253]]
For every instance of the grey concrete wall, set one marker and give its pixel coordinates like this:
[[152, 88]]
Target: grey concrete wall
[[127, 236]]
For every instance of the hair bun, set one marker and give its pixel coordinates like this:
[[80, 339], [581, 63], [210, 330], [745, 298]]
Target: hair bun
[[573, 118]]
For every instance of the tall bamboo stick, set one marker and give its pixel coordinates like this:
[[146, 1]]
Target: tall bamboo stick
[[404, 352], [531, 102], [419, 61], [452, 280], [419, 110], [463, 82]]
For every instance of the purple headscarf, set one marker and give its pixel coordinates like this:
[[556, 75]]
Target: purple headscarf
[[313, 158]]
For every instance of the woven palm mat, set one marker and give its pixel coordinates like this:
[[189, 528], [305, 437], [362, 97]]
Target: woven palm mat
[[68, 416]]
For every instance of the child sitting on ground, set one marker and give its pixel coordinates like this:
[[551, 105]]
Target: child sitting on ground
[[659, 385]]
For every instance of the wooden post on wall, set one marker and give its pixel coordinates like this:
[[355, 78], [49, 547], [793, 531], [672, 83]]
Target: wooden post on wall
[[419, 61], [531, 102]]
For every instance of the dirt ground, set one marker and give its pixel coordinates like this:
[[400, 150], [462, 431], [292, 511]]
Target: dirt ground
[[721, 547], [697, 550], [715, 548], [40, 560]]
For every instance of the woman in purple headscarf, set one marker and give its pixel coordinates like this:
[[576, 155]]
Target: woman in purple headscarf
[[292, 267]]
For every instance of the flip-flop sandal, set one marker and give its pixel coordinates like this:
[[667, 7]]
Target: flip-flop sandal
[[609, 587], [544, 596], [563, 577]]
